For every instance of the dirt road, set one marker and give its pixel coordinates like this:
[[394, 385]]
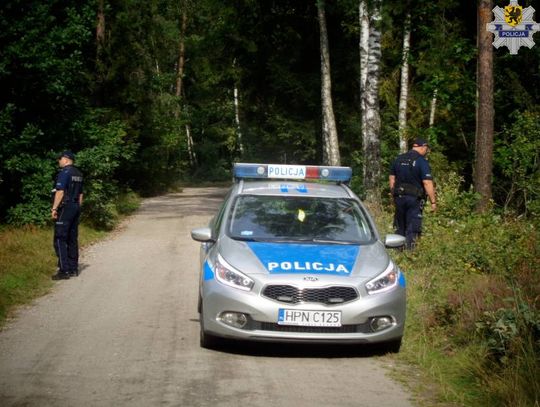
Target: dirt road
[[126, 332]]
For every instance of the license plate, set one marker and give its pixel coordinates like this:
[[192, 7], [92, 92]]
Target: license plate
[[308, 318]]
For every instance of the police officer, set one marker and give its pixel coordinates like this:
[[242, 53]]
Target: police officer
[[66, 210], [410, 181]]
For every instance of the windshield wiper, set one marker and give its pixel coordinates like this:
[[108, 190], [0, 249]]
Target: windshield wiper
[[317, 240]]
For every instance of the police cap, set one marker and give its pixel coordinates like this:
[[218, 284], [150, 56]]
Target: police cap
[[420, 142], [68, 154]]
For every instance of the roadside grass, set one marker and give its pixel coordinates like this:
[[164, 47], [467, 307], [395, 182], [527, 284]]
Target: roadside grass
[[27, 262], [27, 258], [473, 313]]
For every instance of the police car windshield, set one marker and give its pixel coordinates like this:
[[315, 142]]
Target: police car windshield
[[313, 219]]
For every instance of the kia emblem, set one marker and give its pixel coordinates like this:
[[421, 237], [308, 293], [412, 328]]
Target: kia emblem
[[310, 278]]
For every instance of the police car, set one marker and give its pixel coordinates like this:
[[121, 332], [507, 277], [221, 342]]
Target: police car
[[293, 255]]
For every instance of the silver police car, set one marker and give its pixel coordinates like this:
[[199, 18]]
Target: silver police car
[[293, 255]]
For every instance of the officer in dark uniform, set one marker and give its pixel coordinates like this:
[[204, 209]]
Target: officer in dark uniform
[[410, 182], [66, 210]]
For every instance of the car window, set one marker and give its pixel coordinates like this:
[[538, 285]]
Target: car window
[[215, 223], [328, 220]]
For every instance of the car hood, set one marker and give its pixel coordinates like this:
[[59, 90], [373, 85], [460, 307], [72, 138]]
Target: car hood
[[305, 258]]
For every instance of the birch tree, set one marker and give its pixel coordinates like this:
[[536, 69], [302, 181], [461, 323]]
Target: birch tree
[[404, 93], [484, 114], [179, 84], [329, 131], [370, 56], [433, 108]]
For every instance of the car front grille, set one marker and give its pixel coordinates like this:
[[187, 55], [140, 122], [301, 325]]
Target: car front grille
[[345, 329], [326, 295]]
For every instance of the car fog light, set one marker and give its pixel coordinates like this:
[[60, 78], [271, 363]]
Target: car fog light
[[381, 323], [234, 319]]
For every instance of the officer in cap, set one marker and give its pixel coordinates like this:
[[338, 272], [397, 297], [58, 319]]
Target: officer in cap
[[410, 181], [66, 210]]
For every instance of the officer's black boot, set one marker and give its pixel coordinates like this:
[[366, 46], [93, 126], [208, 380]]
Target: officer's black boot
[[61, 276]]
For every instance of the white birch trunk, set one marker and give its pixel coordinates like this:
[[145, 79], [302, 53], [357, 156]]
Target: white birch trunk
[[364, 46], [330, 138], [404, 93], [433, 108], [372, 124], [191, 153], [237, 122]]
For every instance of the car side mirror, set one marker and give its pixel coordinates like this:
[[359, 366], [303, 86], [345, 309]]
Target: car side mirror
[[202, 235], [394, 241]]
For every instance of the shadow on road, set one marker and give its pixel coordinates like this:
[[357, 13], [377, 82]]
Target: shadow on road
[[298, 350]]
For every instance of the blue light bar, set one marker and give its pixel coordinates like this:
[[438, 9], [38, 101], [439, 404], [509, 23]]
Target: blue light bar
[[292, 172]]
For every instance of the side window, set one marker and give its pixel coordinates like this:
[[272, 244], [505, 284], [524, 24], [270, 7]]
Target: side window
[[215, 224]]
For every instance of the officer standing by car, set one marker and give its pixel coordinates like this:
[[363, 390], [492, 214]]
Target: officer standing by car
[[410, 181], [66, 210]]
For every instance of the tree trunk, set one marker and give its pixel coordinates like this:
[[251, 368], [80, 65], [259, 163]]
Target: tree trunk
[[191, 152], [404, 94], [100, 29], [237, 122], [179, 85], [329, 130], [371, 124], [364, 49], [485, 113], [100, 48], [433, 108], [181, 55]]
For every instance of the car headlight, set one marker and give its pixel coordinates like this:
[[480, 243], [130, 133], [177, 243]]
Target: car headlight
[[227, 275], [385, 281]]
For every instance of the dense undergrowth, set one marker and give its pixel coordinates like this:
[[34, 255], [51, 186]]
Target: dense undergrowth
[[473, 322]]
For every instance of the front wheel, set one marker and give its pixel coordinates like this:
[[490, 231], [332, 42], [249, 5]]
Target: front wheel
[[391, 346], [206, 340]]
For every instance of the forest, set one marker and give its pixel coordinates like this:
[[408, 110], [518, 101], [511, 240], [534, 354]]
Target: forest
[[155, 94], [150, 93]]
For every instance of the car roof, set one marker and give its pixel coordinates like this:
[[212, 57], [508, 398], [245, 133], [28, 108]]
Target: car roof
[[294, 188]]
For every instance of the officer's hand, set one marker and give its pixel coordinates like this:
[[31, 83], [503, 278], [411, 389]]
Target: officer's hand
[[433, 207], [54, 214]]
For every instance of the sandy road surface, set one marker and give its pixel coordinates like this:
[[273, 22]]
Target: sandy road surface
[[125, 332]]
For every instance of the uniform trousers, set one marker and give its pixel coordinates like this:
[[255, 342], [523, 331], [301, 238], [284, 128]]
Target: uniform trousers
[[66, 237], [408, 217]]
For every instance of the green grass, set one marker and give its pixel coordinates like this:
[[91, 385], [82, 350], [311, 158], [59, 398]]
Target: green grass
[[473, 318], [27, 262], [27, 258]]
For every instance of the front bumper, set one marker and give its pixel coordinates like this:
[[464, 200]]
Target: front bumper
[[262, 315]]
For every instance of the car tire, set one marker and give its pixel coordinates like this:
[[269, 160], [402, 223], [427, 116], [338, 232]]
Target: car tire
[[391, 346], [206, 340]]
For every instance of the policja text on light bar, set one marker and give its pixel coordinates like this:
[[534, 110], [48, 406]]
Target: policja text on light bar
[[283, 171]]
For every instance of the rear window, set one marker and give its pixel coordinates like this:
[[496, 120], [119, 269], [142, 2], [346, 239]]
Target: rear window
[[314, 219]]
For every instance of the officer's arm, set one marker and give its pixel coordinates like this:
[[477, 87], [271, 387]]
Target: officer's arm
[[58, 196], [430, 191], [80, 199], [392, 181]]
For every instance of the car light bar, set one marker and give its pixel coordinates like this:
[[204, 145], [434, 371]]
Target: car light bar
[[285, 171]]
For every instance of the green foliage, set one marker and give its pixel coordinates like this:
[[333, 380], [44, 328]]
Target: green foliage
[[517, 159], [474, 289], [107, 150], [505, 329]]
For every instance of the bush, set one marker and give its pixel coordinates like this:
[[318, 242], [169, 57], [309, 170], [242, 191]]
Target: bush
[[474, 288]]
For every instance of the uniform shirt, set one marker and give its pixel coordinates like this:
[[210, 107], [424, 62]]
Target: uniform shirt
[[70, 181], [411, 168]]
